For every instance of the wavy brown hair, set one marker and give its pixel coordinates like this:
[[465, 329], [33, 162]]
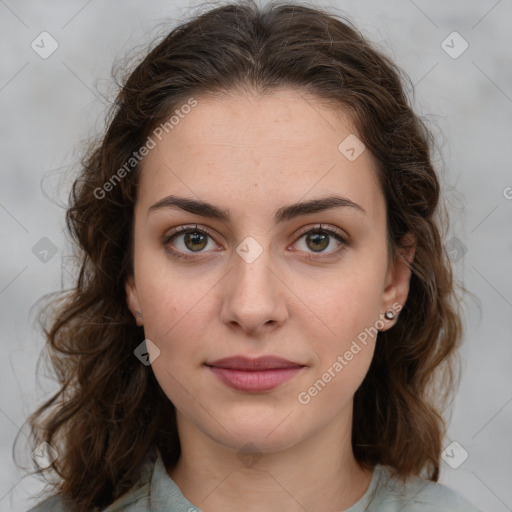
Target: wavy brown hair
[[110, 411]]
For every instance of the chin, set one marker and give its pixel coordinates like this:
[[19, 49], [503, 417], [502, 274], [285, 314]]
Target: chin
[[267, 432], [251, 440]]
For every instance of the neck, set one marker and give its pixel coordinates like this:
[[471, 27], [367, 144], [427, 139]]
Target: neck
[[318, 474]]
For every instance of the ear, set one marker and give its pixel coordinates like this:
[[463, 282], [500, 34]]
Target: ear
[[132, 299], [398, 277]]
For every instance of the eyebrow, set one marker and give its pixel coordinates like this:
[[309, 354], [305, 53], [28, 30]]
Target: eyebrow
[[283, 214]]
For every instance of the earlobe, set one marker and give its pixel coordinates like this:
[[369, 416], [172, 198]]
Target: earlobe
[[132, 299], [398, 280]]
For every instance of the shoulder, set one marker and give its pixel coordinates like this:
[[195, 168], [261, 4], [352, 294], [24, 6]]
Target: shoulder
[[134, 500], [52, 504], [417, 495]]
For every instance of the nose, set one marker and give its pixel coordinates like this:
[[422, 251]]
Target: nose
[[254, 296]]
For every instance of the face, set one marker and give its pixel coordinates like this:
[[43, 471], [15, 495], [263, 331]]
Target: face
[[253, 277]]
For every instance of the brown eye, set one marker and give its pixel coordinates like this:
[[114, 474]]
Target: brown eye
[[195, 241], [187, 240], [317, 241]]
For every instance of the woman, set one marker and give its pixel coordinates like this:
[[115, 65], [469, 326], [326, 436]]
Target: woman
[[265, 317]]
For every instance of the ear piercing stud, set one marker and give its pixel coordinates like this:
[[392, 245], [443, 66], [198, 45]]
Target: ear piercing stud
[[390, 314]]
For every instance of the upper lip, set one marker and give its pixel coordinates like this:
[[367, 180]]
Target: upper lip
[[254, 364]]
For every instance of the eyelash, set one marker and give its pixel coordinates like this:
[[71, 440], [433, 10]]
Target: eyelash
[[195, 229]]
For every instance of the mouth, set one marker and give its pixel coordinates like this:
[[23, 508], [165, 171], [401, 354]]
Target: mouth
[[259, 374]]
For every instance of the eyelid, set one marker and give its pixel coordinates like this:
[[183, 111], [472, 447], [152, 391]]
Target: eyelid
[[328, 228], [344, 239], [302, 231]]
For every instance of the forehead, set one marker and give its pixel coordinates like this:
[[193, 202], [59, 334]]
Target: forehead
[[256, 150]]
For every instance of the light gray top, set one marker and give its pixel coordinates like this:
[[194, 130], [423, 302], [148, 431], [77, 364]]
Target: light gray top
[[157, 492]]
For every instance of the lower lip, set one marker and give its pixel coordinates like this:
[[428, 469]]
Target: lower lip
[[261, 380]]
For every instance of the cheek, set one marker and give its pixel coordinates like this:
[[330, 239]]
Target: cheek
[[344, 355], [333, 387], [170, 297], [178, 311], [175, 319], [349, 311], [351, 303], [176, 323]]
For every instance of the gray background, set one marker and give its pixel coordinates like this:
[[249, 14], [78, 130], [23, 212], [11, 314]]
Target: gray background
[[50, 106]]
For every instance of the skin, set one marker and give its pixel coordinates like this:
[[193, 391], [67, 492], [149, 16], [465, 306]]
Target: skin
[[252, 155]]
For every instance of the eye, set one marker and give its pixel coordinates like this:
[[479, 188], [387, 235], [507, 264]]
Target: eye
[[189, 242], [318, 239], [184, 241]]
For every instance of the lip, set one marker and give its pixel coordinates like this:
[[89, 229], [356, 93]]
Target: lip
[[258, 374]]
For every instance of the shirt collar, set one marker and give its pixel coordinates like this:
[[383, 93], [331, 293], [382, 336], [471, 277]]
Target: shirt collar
[[165, 493], [158, 491]]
